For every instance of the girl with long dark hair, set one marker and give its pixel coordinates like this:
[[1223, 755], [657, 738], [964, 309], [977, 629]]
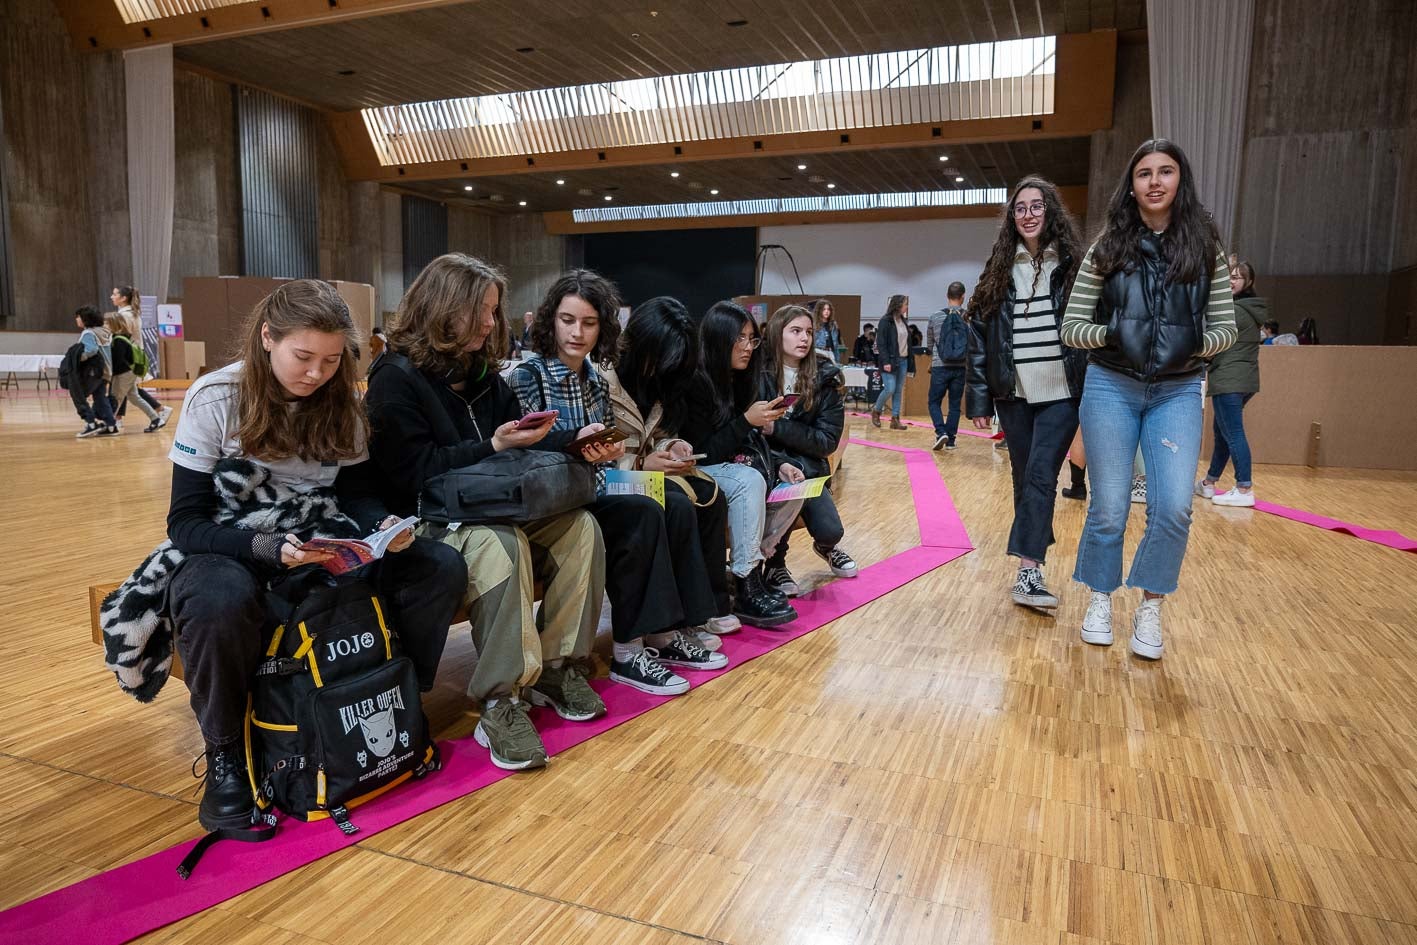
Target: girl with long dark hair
[[290, 411], [1232, 380], [807, 435], [1152, 301], [724, 422], [826, 336], [1019, 369], [437, 402], [654, 568], [893, 358]]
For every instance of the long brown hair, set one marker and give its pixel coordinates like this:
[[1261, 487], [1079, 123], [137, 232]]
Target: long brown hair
[[895, 304], [1060, 231], [330, 423], [806, 371], [438, 314]]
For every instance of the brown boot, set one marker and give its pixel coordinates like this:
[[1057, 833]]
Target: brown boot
[[875, 418], [896, 424]]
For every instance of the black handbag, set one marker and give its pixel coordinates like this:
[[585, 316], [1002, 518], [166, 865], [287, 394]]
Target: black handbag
[[513, 487]]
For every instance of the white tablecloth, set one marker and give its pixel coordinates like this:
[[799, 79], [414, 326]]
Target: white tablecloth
[[29, 363], [855, 376]]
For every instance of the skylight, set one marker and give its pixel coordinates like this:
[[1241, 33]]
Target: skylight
[[141, 11], [943, 83], [732, 208]]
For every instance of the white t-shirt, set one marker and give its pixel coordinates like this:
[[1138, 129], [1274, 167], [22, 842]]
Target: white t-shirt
[[789, 379], [207, 432]]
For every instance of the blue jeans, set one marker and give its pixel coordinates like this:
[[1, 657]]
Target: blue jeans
[[754, 527], [1230, 441], [892, 385], [946, 380], [1164, 417]]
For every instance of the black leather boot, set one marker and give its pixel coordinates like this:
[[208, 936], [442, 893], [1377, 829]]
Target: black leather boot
[[1078, 490], [227, 800], [754, 603]]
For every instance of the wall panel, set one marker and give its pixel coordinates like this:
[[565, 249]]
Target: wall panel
[[277, 141]]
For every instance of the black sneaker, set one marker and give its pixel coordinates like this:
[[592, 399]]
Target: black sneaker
[[754, 603], [940, 442], [686, 651], [778, 578], [153, 427], [227, 798], [950, 443], [108, 431], [90, 429], [646, 674], [1030, 591], [841, 563]]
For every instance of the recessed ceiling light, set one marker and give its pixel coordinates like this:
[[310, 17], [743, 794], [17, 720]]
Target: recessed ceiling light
[[714, 191], [959, 180], [608, 197], [345, 72], [467, 187], [673, 173], [526, 49], [801, 167], [944, 157], [521, 203], [831, 186], [559, 181], [737, 22]]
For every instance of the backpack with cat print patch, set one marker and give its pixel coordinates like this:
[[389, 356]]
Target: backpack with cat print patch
[[335, 716]]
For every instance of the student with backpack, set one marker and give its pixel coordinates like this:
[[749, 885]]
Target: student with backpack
[[124, 298], [269, 452], [129, 363], [948, 339], [1019, 368]]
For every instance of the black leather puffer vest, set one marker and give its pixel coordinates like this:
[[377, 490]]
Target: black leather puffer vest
[[1154, 329]]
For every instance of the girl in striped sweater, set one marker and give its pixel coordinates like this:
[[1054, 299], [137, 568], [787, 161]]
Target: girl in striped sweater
[[1152, 301]]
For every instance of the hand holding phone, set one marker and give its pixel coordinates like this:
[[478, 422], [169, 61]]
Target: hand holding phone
[[786, 401], [536, 419]]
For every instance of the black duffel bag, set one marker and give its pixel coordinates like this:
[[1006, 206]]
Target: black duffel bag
[[513, 487]]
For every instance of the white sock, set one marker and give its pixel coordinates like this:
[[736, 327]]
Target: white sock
[[624, 652]]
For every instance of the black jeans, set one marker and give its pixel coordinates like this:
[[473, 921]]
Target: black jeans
[[712, 523], [218, 609], [946, 380], [102, 409], [1038, 436], [823, 524]]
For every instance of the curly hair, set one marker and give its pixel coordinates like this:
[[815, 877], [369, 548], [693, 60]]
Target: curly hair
[[596, 291], [1060, 231], [438, 313], [1191, 239]]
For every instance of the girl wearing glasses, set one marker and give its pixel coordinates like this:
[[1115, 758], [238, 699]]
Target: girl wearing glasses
[[724, 422], [1019, 369], [1152, 301]]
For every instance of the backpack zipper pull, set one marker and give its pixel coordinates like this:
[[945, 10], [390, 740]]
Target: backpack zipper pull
[[320, 786]]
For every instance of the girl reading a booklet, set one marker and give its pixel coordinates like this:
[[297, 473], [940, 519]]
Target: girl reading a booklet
[[282, 428], [807, 434], [655, 573], [724, 421]]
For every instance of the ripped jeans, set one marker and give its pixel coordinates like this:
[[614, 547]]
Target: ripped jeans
[[1118, 413]]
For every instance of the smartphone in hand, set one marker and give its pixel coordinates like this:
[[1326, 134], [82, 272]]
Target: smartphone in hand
[[606, 437], [536, 419], [788, 400]]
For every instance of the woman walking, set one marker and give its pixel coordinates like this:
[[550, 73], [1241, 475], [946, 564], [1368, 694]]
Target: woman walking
[[1234, 378], [893, 358], [1152, 301]]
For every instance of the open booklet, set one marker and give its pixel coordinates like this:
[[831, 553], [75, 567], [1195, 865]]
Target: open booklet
[[350, 553], [806, 489]]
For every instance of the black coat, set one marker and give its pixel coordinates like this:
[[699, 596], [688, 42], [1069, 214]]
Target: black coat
[[725, 441], [887, 341], [1154, 329], [421, 427], [990, 359], [808, 439]]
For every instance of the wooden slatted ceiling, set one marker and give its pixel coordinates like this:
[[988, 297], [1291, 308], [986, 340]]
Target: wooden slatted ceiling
[[900, 170], [471, 48]]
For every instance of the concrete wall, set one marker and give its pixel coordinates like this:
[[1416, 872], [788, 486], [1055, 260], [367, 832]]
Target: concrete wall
[[206, 217], [66, 169], [1131, 125]]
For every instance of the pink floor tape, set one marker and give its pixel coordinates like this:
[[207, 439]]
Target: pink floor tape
[[1390, 538], [131, 900], [928, 426]]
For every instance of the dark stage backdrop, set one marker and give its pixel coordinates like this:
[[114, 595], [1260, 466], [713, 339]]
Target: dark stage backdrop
[[698, 267]]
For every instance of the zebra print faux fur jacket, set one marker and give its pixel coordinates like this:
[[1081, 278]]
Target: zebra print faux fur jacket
[[137, 634]]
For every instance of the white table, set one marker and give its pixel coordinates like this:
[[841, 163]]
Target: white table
[[13, 365], [855, 376]]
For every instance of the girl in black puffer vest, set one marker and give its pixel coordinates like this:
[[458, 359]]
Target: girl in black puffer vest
[[1152, 302]]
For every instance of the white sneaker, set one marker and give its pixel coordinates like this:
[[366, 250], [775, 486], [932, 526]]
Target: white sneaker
[[722, 626], [1146, 630], [1139, 490], [1236, 498], [162, 416], [1205, 489], [1097, 622]]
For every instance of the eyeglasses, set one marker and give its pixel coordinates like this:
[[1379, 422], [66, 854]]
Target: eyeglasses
[[1034, 209], [750, 341]]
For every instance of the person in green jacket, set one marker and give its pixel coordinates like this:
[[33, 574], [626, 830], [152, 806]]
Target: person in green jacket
[[1234, 378]]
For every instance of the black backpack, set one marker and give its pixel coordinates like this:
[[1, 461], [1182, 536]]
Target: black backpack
[[77, 374], [953, 343], [334, 718]]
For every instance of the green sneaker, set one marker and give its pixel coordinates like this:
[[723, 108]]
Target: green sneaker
[[506, 730], [564, 688]]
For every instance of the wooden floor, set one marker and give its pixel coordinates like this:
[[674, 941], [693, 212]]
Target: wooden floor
[[940, 766]]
